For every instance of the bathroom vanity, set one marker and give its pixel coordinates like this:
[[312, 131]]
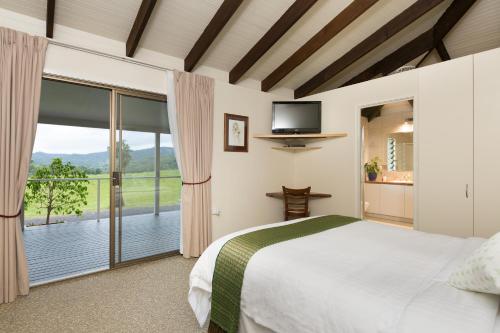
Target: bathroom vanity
[[391, 199]]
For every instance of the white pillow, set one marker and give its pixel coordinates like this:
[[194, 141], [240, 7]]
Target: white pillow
[[481, 271]]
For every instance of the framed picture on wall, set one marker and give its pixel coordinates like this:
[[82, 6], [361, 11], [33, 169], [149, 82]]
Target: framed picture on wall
[[235, 133]]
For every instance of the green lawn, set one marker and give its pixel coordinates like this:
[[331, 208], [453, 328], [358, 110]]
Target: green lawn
[[136, 192]]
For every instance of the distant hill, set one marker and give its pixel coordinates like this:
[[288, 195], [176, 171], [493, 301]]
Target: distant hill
[[141, 160]]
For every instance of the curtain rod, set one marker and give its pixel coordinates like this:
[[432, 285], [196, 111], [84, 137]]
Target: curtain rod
[[107, 55]]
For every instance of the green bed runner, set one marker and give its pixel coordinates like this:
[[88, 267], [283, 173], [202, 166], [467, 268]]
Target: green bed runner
[[233, 258]]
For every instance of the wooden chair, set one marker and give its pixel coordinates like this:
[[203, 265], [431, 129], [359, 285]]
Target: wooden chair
[[296, 202]]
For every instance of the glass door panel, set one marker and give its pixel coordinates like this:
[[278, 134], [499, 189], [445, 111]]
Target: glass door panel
[[66, 207], [147, 182]]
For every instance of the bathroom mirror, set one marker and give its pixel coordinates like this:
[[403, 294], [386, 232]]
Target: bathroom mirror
[[400, 152]]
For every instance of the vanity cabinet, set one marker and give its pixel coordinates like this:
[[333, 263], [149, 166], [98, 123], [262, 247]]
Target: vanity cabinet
[[389, 199], [408, 202], [372, 198], [392, 200]]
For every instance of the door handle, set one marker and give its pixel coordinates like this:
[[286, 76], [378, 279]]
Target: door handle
[[116, 178], [467, 191]]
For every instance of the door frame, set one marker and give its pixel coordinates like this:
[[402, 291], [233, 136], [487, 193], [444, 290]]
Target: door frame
[[114, 92], [115, 99], [359, 190]]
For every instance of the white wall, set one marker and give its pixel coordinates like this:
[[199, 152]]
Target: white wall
[[240, 180], [336, 167]]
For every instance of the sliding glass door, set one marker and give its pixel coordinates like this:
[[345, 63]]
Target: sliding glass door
[[66, 207], [103, 187], [146, 182]]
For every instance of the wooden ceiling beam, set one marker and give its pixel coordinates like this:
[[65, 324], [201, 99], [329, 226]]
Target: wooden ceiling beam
[[221, 17], [421, 61], [335, 26], [446, 22], [402, 56], [140, 23], [401, 21], [442, 51], [426, 42], [450, 18], [49, 23], [279, 28]]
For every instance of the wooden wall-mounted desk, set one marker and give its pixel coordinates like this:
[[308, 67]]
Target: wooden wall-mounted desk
[[312, 195]]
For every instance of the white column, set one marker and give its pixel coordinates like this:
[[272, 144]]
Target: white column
[[98, 200], [157, 174]]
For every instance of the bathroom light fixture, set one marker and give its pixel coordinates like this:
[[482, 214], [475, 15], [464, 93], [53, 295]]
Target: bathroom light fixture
[[408, 121], [407, 127]]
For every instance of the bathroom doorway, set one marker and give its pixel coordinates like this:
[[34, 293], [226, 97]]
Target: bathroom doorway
[[387, 166]]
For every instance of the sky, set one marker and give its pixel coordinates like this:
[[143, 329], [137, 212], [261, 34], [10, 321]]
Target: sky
[[57, 139]]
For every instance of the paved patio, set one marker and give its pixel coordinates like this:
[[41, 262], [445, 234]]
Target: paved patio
[[62, 250]]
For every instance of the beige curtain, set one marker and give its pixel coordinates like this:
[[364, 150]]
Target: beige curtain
[[21, 65], [194, 100]]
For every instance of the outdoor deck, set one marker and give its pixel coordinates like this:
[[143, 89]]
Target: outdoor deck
[[62, 250]]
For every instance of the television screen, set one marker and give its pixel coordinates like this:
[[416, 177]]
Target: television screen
[[296, 117]]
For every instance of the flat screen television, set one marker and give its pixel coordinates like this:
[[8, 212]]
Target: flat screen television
[[296, 117]]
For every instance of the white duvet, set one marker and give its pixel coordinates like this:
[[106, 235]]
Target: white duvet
[[363, 277]]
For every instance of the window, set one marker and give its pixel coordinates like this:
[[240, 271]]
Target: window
[[391, 154]]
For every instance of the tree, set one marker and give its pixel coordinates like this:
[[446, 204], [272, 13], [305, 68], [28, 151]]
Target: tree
[[32, 168], [125, 156], [64, 196]]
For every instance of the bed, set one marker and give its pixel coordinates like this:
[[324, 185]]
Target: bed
[[360, 277]]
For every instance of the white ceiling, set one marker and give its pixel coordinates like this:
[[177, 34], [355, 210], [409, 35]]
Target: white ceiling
[[406, 35], [176, 25]]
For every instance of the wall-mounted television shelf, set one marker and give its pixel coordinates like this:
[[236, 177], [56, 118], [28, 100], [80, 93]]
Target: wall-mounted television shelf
[[299, 136], [295, 149], [294, 139]]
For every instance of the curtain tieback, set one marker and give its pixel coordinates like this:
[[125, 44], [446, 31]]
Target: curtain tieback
[[199, 183], [11, 216]]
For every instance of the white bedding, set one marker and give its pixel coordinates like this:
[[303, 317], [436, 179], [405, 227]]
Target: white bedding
[[363, 277]]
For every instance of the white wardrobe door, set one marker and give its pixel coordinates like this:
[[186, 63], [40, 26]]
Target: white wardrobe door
[[486, 143], [444, 125]]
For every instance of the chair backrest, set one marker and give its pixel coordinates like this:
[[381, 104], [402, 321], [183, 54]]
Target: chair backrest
[[296, 202]]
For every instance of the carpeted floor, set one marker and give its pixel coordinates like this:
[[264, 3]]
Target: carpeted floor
[[149, 297]]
